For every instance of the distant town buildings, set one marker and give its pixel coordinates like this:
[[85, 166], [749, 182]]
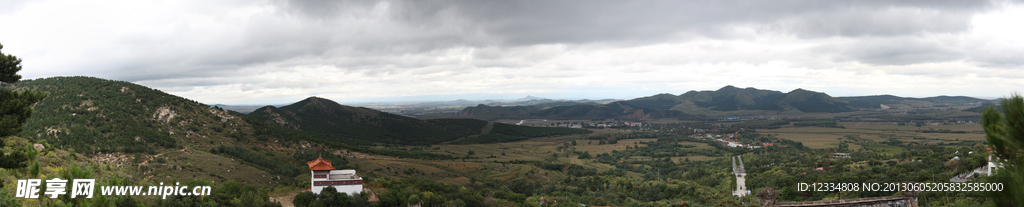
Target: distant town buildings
[[736, 143], [839, 155], [994, 163]]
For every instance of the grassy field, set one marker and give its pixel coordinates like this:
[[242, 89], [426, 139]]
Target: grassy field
[[189, 164], [824, 137], [481, 164], [535, 149], [817, 141], [595, 149], [460, 166], [393, 163]]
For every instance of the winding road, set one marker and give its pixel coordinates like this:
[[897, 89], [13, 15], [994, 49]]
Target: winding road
[[741, 174]]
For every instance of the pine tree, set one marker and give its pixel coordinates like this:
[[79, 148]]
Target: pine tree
[[15, 107], [1006, 135]]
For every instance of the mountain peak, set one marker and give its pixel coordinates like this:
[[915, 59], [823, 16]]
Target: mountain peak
[[319, 101], [314, 103], [728, 87], [314, 98], [800, 90]]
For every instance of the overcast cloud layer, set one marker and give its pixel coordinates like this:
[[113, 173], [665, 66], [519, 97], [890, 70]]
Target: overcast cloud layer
[[270, 52]]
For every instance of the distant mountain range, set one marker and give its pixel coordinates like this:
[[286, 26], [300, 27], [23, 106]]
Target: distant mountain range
[[525, 101], [726, 99]]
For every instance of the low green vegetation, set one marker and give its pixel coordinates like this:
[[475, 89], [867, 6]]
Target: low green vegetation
[[510, 133], [263, 162], [96, 115], [525, 131], [489, 138]]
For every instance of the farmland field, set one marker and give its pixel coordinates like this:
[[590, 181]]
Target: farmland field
[[824, 137]]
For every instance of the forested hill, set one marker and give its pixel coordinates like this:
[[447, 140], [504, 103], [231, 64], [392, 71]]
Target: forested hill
[[97, 115], [357, 125], [731, 98]]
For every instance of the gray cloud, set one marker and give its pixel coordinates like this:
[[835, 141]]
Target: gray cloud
[[370, 33], [253, 47], [539, 22], [892, 51]]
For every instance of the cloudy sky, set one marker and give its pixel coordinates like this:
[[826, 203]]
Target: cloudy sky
[[272, 52]]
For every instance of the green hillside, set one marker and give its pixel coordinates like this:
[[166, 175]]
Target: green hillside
[[730, 98], [661, 101], [97, 115], [810, 101], [161, 134]]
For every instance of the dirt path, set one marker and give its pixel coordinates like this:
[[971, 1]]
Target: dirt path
[[487, 128], [286, 198], [741, 174]]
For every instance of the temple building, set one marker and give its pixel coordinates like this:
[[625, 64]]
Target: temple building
[[324, 175]]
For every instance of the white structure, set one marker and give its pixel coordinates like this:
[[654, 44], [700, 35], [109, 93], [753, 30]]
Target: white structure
[[324, 175], [993, 165]]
